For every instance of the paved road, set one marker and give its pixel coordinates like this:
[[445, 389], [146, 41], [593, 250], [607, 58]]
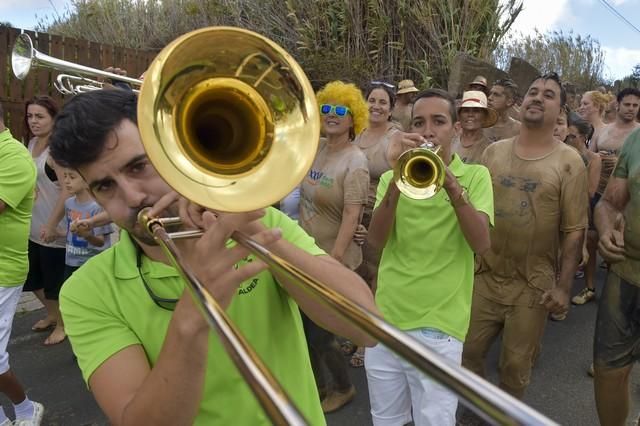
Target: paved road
[[560, 387]]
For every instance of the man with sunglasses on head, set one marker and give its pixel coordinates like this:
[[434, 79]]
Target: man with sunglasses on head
[[425, 276], [540, 187], [143, 347]]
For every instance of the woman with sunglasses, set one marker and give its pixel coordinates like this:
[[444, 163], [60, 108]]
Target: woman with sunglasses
[[332, 198]]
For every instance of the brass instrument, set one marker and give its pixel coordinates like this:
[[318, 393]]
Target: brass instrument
[[24, 57], [230, 121], [419, 173]]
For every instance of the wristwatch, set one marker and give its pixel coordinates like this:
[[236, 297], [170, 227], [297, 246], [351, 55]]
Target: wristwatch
[[462, 199]]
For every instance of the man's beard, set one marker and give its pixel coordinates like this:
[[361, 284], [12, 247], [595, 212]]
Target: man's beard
[[626, 120]]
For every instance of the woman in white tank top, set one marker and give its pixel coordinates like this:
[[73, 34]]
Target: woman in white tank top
[[48, 230]]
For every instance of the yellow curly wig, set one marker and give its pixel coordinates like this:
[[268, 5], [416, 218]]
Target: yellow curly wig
[[599, 99], [349, 95]]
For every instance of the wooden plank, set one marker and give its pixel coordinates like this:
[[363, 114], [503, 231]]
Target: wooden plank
[[82, 57], [15, 119], [5, 53], [56, 46], [95, 61], [43, 75], [131, 65], [107, 56], [119, 57]]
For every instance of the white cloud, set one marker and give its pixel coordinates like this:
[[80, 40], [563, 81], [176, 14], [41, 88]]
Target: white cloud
[[26, 6], [619, 61], [542, 15]]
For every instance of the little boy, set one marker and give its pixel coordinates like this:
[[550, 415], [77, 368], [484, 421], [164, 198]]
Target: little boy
[[82, 242]]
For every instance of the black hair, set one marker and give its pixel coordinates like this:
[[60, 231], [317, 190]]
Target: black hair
[[1, 113], [510, 87], [82, 127], [386, 87], [439, 93], [555, 77], [629, 91], [582, 125]]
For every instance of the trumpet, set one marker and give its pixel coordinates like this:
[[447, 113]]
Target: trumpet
[[223, 111], [419, 173]]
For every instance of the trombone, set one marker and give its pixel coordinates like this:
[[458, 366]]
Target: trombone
[[223, 111]]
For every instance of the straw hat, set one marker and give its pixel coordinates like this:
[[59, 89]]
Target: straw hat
[[406, 86], [477, 99], [479, 80]]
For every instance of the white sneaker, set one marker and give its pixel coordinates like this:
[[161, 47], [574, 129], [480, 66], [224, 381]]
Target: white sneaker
[[35, 420]]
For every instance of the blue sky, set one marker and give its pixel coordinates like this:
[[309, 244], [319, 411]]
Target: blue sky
[[585, 17]]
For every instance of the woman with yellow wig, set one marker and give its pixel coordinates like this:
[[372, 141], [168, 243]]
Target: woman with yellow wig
[[332, 198]]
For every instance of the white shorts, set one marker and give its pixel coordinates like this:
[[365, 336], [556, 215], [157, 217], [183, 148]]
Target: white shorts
[[397, 389], [9, 298]]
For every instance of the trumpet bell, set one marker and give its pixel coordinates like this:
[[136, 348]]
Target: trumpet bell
[[419, 173], [229, 119]]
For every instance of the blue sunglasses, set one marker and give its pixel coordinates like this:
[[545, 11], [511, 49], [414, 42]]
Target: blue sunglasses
[[340, 110]]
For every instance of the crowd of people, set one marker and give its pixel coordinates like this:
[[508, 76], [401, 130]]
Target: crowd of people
[[537, 181]]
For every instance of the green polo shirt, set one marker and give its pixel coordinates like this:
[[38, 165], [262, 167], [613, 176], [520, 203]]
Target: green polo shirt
[[106, 308], [425, 278], [17, 183]]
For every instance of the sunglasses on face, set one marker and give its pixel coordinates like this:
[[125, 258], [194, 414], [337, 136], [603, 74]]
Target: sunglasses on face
[[339, 110]]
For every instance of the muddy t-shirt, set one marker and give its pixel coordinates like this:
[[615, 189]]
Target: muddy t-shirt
[[628, 167], [535, 201], [335, 180], [496, 133], [471, 154]]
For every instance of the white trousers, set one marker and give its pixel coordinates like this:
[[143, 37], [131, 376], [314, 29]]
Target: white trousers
[[397, 390], [9, 298]]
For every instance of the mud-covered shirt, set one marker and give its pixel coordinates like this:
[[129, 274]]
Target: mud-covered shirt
[[535, 201], [336, 178]]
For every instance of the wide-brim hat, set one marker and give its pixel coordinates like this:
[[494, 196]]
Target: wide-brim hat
[[477, 99], [479, 81], [406, 86]]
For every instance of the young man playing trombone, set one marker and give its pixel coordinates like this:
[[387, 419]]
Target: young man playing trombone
[[425, 277], [142, 345]]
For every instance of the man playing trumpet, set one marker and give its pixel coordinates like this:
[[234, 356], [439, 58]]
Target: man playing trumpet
[[425, 278]]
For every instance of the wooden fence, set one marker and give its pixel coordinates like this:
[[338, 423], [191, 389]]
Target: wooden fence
[[14, 93]]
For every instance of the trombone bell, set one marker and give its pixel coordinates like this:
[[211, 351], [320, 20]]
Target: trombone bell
[[229, 119], [226, 126], [419, 173]]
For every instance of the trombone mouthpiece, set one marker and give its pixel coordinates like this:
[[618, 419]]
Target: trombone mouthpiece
[[146, 221]]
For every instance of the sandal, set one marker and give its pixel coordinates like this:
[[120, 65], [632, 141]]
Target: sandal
[[347, 347], [357, 359]]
